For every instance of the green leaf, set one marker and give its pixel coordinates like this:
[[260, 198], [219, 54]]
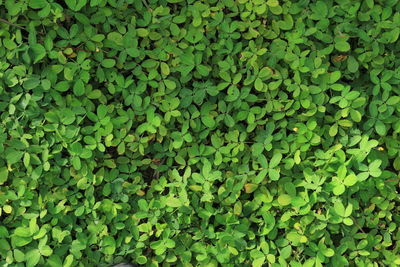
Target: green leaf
[[203, 70], [380, 128], [265, 73], [97, 37], [393, 100], [18, 241], [141, 260], [352, 64], [108, 245], [261, 176], [45, 251], [14, 156], [204, 133], [374, 168], [164, 68], [68, 261], [170, 84], [250, 188], [334, 77], [19, 256], [22, 232], [275, 160], [95, 94], [258, 84], [108, 63], [321, 9], [76, 5], [62, 86], [342, 46], [142, 32], [54, 261], [79, 88], [133, 52], [273, 174], [298, 202], [339, 208], [3, 175], [31, 83], [37, 4], [355, 115], [149, 64], [32, 257], [209, 122], [258, 262], [273, 3], [76, 148], [333, 129], [76, 163], [329, 252], [284, 200], [348, 221], [349, 210], [350, 180], [257, 149], [339, 189], [38, 52], [173, 202], [345, 123]]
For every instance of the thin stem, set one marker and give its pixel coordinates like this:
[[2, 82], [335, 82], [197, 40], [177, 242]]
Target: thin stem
[[356, 223], [12, 24], [147, 5]]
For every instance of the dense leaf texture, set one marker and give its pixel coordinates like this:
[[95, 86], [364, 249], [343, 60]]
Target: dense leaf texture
[[199, 133]]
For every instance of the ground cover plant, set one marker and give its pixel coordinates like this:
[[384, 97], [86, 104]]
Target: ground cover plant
[[199, 132]]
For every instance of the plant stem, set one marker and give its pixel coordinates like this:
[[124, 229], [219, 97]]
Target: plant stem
[[12, 24]]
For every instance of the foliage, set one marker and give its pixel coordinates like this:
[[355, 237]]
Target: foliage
[[199, 133]]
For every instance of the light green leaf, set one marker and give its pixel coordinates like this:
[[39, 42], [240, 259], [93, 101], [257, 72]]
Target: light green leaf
[[173, 202], [45, 251], [164, 68], [284, 200], [32, 257], [339, 208], [350, 180], [339, 189], [3, 175], [275, 160], [258, 84], [273, 174]]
